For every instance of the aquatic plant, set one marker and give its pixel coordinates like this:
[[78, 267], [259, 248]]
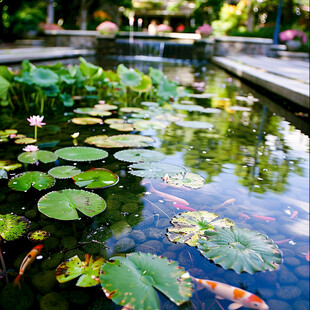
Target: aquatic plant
[[81, 153], [32, 155], [64, 172], [131, 281], [189, 179], [38, 235], [139, 155], [36, 121]]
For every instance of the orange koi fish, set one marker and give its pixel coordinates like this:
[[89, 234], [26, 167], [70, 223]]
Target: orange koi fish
[[182, 207], [240, 298], [30, 257], [226, 202], [282, 241], [264, 218], [294, 214], [244, 216]]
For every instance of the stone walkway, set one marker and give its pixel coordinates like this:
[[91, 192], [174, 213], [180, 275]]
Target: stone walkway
[[287, 78]]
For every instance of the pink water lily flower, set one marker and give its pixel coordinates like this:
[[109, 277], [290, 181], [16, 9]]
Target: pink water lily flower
[[30, 148], [36, 120]]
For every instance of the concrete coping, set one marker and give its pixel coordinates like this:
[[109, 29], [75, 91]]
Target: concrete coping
[[72, 32], [244, 40]]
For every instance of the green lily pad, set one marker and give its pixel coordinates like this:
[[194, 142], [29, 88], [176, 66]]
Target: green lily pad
[[25, 141], [167, 89], [195, 124], [111, 121], [63, 205], [122, 127], [97, 140], [38, 235], [155, 170], [33, 157], [81, 153], [188, 107], [9, 165], [105, 107], [240, 249], [87, 271], [26, 180], [96, 178], [86, 120], [139, 155], [130, 109], [7, 132], [189, 226], [82, 110], [12, 226], [131, 281], [192, 180], [64, 172], [43, 77], [99, 113], [146, 124]]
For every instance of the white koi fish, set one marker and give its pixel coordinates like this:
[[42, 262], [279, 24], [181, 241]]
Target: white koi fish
[[240, 298]]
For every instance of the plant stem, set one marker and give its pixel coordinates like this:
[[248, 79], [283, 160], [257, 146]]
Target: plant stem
[[3, 267], [35, 131]]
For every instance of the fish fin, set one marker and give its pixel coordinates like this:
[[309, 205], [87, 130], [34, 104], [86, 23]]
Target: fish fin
[[17, 279], [234, 306], [219, 297]]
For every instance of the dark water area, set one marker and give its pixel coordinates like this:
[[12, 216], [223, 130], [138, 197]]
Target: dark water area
[[255, 162]]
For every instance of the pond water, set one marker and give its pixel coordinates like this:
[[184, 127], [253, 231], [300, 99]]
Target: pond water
[[255, 164]]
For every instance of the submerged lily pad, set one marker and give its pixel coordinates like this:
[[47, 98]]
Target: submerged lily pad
[[139, 155], [38, 235], [195, 124], [63, 205], [86, 120], [189, 226], [12, 226], [36, 179], [155, 170], [9, 165], [240, 249], [64, 172], [81, 153], [33, 157], [131, 281], [87, 271], [192, 180], [96, 178]]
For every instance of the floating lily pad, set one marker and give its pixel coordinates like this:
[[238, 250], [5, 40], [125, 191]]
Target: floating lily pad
[[26, 180], [82, 110], [81, 153], [187, 107], [155, 170], [195, 124], [33, 157], [9, 165], [105, 107], [114, 121], [64, 172], [63, 205], [189, 226], [7, 132], [169, 117], [130, 110], [192, 180], [150, 104], [12, 226], [38, 235], [86, 120], [96, 178], [122, 127], [97, 140], [99, 113], [87, 271], [240, 249], [146, 124], [131, 281], [25, 141], [139, 155]]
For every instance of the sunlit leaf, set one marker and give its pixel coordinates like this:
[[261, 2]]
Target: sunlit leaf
[[38, 235], [86, 120], [25, 141], [33, 157], [9, 165], [12, 226], [192, 180], [43, 77], [64, 172], [81, 153]]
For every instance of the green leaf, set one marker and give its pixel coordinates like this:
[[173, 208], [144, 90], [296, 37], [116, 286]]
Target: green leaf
[[38, 235], [12, 226], [167, 89], [189, 226], [90, 88], [131, 78], [81, 153], [139, 155], [88, 271], [67, 79], [131, 281], [96, 178], [143, 124], [155, 170], [6, 73], [43, 77], [51, 91], [4, 87], [32, 157], [24, 79], [87, 68], [36, 179], [9, 165], [64, 172], [67, 100], [63, 205], [240, 249], [156, 75], [192, 180], [144, 86]]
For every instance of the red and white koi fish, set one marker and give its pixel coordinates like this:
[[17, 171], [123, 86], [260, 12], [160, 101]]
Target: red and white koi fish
[[168, 196], [240, 298], [244, 216], [30, 257], [226, 202], [182, 207], [264, 218], [294, 214]]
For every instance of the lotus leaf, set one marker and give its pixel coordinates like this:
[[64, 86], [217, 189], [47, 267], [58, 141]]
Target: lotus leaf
[[195, 124], [96, 178], [43, 77], [130, 110], [156, 75], [25, 141], [167, 89], [130, 78], [26, 180], [67, 100], [144, 86], [111, 121], [52, 91], [87, 68], [139, 155], [90, 88], [146, 124], [12, 226], [87, 271], [189, 226], [86, 120], [4, 88], [155, 170], [81, 153], [240, 249], [9, 165], [192, 180], [131, 281], [64, 172], [6, 73], [33, 157], [38, 235], [122, 127], [63, 205]]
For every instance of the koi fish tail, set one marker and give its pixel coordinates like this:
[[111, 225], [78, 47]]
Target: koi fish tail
[[17, 280]]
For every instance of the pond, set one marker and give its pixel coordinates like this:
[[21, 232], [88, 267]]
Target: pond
[[233, 154]]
